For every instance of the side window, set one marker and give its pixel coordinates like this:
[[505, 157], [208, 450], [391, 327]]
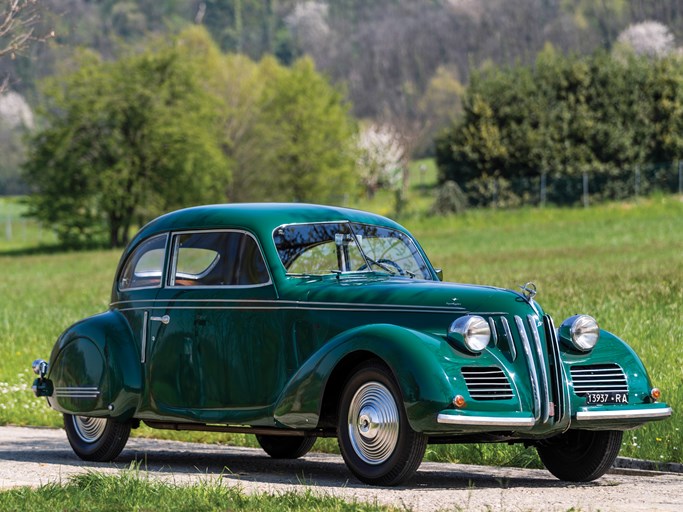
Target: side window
[[223, 258], [145, 265]]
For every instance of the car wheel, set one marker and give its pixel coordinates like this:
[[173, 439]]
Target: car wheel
[[285, 447], [580, 455], [375, 438], [96, 439]]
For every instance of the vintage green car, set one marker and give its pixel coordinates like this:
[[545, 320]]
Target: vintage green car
[[294, 321]]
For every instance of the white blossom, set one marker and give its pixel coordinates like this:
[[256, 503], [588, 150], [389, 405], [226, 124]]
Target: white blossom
[[649, 38], [381, 156]]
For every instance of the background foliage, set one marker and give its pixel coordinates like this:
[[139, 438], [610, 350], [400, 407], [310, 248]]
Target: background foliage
[[563, 117]]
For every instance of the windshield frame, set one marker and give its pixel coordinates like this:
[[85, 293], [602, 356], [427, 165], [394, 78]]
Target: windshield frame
[[426, 271]]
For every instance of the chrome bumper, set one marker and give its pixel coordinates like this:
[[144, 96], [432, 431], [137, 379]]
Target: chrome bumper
[[471, 420], [598, 414]]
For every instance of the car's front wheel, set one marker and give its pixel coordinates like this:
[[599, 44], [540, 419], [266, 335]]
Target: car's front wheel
[[96, 439], [580, 455], [285, 447], [375, 438]]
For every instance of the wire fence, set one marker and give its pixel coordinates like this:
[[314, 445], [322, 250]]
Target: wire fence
[[582, 190]]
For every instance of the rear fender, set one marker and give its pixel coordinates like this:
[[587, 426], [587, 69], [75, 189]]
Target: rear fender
[[95, 369], [418, 362]]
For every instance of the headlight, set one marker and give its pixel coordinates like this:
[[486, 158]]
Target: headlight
[[580, 331], [471, 331]]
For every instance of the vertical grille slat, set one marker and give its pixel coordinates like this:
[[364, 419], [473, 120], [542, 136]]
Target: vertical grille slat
[[607, 377], [556, 370], [488, 383]]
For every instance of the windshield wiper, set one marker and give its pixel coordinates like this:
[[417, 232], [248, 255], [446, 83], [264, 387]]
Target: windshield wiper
[[383, 266]]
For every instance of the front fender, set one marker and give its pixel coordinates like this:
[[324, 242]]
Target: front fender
[[94, 368], [418, 361]]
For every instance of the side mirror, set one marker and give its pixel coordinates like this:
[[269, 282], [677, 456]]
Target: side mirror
[[439, 274]]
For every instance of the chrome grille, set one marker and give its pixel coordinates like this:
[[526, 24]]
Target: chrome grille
[[487, 383], [598, 378]]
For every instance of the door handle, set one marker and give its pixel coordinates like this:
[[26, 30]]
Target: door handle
[[163, 319]]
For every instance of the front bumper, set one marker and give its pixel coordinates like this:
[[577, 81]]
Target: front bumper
[[598, 416], [515, 421]]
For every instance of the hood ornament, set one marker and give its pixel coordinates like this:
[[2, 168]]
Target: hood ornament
[[529, 290]]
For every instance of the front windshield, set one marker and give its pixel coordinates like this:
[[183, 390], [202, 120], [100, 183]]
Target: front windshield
[[328, 247]]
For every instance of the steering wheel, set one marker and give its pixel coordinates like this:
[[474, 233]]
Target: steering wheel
[[384, 262]]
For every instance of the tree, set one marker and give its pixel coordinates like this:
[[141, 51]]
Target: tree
[[124, 141], [648, 38], [380, 158], [313, 133]]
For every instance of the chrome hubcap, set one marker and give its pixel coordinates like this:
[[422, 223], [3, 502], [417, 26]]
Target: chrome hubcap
[[373, 423], [89, 429]]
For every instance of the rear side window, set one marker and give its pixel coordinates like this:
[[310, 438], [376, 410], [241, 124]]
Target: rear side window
[[221, 258], [145, 265]]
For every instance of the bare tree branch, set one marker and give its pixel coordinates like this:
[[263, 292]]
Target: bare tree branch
[[18, 19], [17, 28]]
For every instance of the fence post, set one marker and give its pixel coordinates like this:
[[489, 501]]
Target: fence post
[[8, 228], [585, 190], [543, 189], [680, 178], [637, 183]]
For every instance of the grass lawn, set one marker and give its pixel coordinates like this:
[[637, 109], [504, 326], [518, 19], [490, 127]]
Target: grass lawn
[[620, 262], [134, 491]]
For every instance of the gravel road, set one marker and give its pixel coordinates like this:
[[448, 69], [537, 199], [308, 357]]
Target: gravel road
[[34, 456]]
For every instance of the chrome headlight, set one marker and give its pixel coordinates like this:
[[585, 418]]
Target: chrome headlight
[[580, 332], [471, 331]]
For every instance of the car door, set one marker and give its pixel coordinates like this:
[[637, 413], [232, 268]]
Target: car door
[[217, 342]]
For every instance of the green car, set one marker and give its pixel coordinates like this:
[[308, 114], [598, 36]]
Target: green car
[[293, 322]]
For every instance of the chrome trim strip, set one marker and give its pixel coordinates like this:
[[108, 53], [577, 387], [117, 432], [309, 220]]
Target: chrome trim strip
[[508, 335], [563, 380], [545, 399], [535, 388], [76, 392], [487, 421], [442, 309], [143, 343], [588, 415], [494, 331]]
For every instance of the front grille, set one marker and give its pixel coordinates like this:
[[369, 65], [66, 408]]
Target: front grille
[[598, 378], [488, 383]]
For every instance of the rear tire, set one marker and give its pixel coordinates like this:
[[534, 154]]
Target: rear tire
[[96, 439], [285, 447], [580, 455], [375, 438]]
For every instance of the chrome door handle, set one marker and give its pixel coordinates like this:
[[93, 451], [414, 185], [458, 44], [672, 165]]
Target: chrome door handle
[[163, 319]]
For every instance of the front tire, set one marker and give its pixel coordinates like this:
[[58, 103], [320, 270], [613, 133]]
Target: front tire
[[375, 438], [580, 455], [96, 439], [285, 447]]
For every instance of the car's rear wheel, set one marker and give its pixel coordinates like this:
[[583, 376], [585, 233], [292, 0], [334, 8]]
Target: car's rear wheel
[[580, 455], [96, 439], [285, 447], [375, 438]]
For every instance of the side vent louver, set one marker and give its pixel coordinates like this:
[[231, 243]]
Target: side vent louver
[[488, 383]]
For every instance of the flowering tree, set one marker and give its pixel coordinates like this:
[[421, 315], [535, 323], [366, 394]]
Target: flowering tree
[[649, 38], [380, 158]]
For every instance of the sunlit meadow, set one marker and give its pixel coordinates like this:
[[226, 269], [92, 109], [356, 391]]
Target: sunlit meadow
[[620, 262]]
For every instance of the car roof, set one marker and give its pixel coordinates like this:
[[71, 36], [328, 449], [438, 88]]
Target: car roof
[[259, 218]]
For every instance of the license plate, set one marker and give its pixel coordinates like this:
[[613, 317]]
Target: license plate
[[606, 398]]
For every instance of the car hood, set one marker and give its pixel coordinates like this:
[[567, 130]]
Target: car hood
[[417, 293]]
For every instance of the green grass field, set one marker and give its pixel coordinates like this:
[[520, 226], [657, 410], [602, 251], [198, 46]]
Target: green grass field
[[620, 262]]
